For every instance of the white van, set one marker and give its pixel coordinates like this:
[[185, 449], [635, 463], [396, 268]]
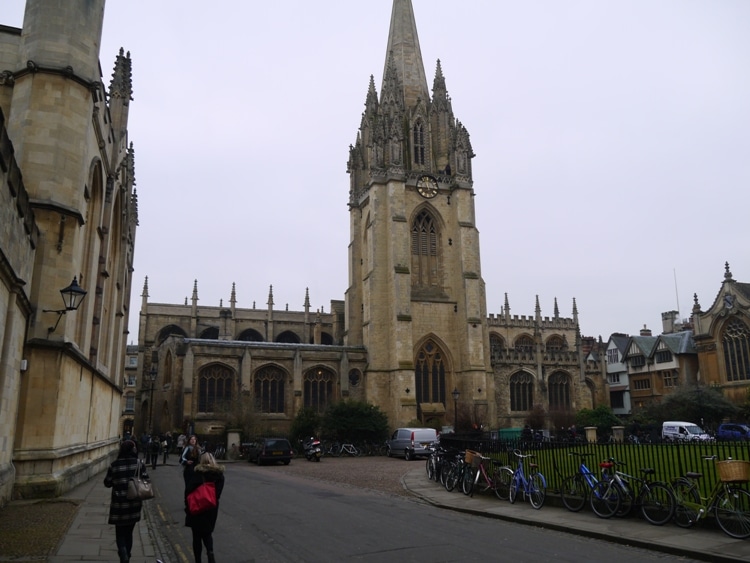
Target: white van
[[678, 431], [411, 442]]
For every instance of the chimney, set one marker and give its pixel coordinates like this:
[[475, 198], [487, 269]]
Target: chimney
[[645, 331]]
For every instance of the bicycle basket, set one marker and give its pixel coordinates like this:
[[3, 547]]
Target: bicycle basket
[[733, 471], [473, 458]]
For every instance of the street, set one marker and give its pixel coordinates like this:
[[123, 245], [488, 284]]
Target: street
[[269, 514]]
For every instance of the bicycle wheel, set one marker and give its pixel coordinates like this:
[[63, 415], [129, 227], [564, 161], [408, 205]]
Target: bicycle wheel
[[502, 479], [467, 481], [657, 503], [685, 491], [733, 512], [573, 493], [605, 499], [515, 484], [431, 469], [537, 490], [452, 477], [443, 473], [626, 502]]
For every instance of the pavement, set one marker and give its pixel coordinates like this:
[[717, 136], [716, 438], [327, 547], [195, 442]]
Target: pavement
[[91, 538]]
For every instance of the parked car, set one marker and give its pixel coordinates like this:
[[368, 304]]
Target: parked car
[[411, 442], [269, 450], [679, 431], [733, 431]]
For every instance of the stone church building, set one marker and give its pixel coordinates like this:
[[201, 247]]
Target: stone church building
[[413, 327], [68, 217]]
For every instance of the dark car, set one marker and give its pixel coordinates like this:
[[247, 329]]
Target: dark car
[[269, 450], [733, 431]]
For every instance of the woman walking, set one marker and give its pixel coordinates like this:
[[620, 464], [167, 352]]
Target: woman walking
[[124, 513], [203, 524], [189, 459]]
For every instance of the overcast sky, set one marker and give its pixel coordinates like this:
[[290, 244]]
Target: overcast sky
[[612, 145]]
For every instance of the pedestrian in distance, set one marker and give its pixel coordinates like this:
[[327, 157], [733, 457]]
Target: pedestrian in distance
[[124, 513], [203, 524], [190, 458], [153, 451]]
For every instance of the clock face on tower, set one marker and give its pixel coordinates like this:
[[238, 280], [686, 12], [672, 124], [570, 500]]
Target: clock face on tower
[[427, 186]]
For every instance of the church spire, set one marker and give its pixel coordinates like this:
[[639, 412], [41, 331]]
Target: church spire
[[403, 52]]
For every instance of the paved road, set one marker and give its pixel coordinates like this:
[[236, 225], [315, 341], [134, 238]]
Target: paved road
[[299, 513]]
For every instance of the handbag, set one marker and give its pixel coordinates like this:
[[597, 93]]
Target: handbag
[[202, 498], [138, 487]]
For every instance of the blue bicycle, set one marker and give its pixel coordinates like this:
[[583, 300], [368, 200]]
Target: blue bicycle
[[534, 487], [605, 494]]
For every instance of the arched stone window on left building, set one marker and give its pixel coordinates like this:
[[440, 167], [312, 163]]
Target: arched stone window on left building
[[318, 390], [270, 389], [558, 386], [419, 143], [425, 252], [215, 383], [521, 391]]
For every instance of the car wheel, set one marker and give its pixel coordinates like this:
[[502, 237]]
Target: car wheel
[[287, 461], [408, 456]]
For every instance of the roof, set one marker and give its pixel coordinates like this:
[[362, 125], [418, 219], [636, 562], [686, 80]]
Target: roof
[[679, 342]]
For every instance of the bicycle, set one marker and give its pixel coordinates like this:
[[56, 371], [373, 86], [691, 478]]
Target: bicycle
[[496, 478], [729, 503], [583, 485], [348, 449], [534, 487], [654, 498]]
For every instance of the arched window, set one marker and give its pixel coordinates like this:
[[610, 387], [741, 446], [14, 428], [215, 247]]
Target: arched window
[[269, 389], [497, 344], [288, 337], [524, 344], [736, 346], [419, 143], [429, 374], [214, 388], [555, 344], [318, 393], [211, 333], [168, 331], [521, 391], [559, 391], [250, 335], [424, 251]]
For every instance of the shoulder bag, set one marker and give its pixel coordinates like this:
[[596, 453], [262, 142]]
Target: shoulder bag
[[138, 487], [202, 498]]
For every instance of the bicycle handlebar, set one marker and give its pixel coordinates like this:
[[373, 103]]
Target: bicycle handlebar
[[519, 454]]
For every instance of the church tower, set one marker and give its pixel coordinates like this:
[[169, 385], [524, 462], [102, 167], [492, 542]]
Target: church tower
[[416, 298]]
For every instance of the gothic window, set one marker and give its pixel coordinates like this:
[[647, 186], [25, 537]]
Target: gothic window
[[250, 335], [288, 337], [524, 345], [318, 393], [211, 333], [429, 374], [269, 389], [736, 346], [168, 331], [214, 388], [419, 143], [521, 391], [355, 377], [555, 344], [497, 344], [559, 392], [424, 251]]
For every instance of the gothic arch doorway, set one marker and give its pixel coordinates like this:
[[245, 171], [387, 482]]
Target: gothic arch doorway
[[430, 369]]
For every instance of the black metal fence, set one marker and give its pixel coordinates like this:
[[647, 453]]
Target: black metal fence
[[669, 460]]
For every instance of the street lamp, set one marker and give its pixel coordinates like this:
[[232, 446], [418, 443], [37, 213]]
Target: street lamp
[[152, 375], [72, 297], [456, 394]]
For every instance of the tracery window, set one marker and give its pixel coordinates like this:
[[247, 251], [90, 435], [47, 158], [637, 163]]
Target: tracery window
[[524, 345], [555, 344], [429, 374], [269, 389], [521, 391], [424, 251], [318, 392], [214, 388], [736, 346], [558, 387], [496, 344], [419, 143]]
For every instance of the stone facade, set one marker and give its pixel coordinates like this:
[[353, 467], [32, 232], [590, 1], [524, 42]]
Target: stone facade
[[413, 327], [68, 212], [722, 339]]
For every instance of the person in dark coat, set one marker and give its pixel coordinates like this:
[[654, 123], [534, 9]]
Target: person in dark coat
[[153, 451], [124, 513], [203, 524]]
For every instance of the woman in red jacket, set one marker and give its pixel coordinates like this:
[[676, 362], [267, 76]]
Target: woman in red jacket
[[203, 524]]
